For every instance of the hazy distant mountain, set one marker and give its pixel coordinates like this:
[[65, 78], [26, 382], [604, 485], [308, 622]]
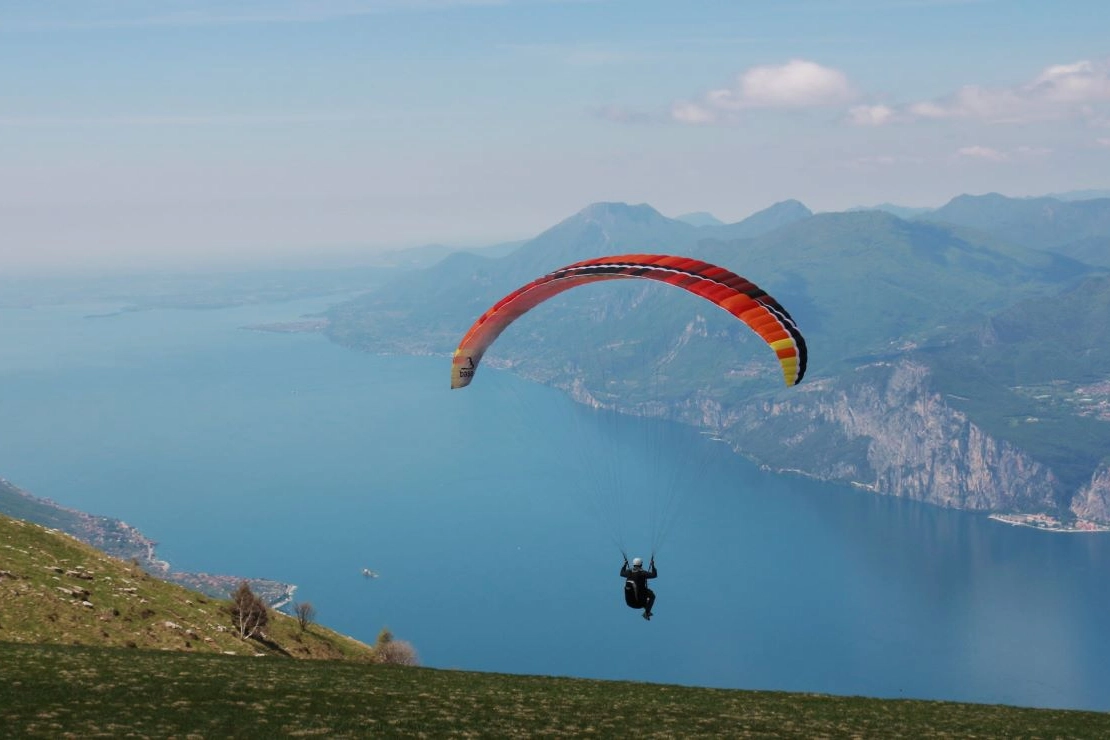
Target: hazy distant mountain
[[918, 385], [906, 280], [906, 212], [601, 229], [863, 282], [761, 222], [700, 218], [497, 250], [427, 255], [1080, 195], [1041, 223], [462, 285], [414, 257]]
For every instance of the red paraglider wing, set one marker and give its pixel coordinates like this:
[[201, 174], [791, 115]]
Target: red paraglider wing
[[739, 296]]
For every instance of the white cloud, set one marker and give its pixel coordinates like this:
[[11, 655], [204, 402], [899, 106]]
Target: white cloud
[[1103, 142], [992, 154], [972, 101], [796, 84], [687, 112], [982, 152], [1079, 90], [871, 115], [1080, 83]]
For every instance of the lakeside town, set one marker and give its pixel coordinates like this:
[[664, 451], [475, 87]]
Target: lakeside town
[[1049, 523]]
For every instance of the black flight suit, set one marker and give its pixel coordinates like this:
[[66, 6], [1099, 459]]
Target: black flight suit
[[640, 577]]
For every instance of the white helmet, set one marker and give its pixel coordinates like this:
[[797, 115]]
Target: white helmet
[[637, 562]]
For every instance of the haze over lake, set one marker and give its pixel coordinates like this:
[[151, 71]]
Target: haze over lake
[[285, 456]]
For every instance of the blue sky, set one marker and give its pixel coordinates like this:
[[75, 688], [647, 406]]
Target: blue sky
[[195, 133]]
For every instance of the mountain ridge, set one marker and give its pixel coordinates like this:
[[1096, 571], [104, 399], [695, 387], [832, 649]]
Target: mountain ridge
[[1044, 222], [880, 297]]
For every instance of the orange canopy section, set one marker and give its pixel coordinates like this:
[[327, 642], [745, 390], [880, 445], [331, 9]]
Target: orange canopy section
[[740, 297]]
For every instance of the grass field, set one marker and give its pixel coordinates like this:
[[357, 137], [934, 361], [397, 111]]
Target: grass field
[[55, 690], [91, 646]]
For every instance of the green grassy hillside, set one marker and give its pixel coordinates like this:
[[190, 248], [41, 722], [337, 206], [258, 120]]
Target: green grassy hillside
[[54, 589], [119, 539], [50, 691], [93, 646]]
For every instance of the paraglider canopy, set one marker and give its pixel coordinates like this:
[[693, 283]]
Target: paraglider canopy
[[740, 297]]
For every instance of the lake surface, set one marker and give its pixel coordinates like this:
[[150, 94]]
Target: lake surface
[[287, 457]]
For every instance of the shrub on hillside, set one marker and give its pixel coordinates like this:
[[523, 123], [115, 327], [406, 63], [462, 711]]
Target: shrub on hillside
[[394, 652]]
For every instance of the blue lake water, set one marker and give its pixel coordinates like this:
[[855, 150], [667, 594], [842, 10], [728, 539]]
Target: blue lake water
[[287, 457]]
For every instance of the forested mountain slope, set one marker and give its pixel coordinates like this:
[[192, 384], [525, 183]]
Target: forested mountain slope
[[930, 344]]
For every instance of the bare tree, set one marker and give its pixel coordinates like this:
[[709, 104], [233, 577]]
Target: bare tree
[[248, 612], [305, 613]]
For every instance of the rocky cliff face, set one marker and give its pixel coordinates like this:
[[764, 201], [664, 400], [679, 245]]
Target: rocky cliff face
[[887, 430], [1093, 501], [916, 446]]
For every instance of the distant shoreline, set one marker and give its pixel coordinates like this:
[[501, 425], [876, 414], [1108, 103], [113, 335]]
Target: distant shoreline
[[302, 326], [1048, 523], [118, 539]]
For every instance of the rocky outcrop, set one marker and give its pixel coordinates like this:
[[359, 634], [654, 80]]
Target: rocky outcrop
[[887, 430], [1093, 501], [918, 447]]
